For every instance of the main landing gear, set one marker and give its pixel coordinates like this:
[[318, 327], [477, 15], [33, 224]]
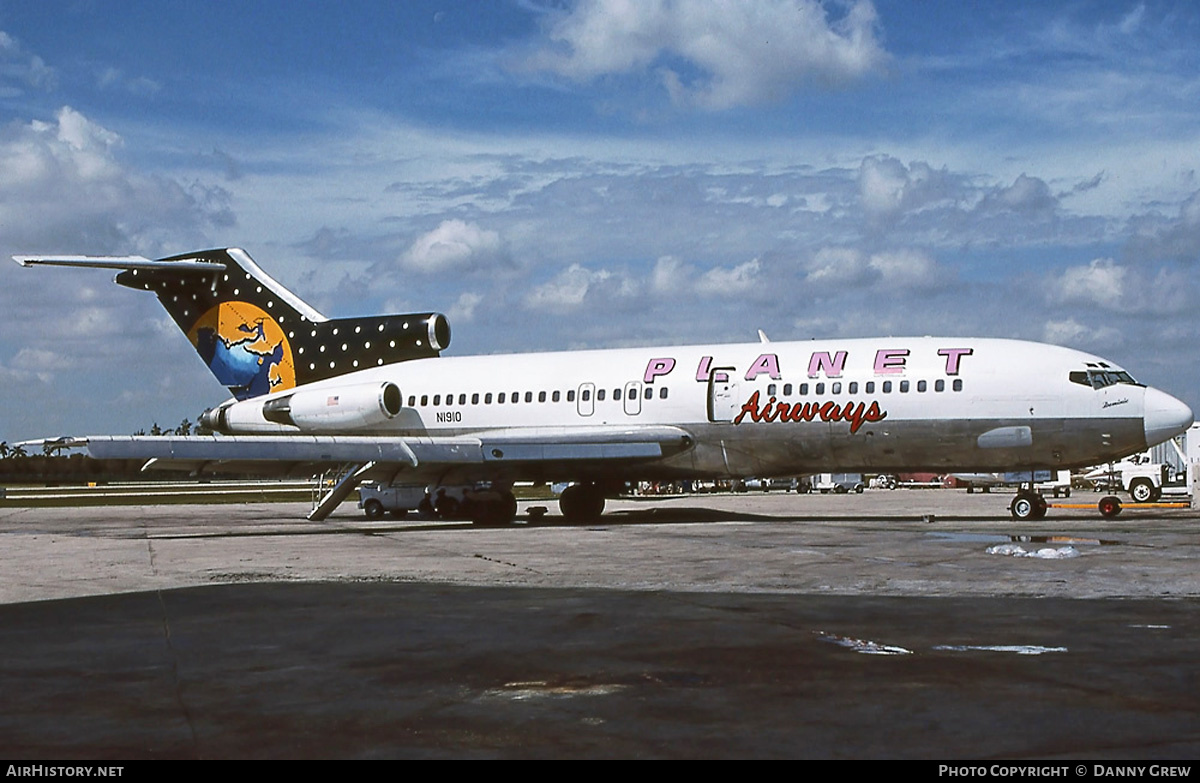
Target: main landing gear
[[491, 508], [581, 503], [1028, 505]]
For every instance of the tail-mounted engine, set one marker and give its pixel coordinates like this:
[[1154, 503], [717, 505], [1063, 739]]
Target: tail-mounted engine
[[331, 409]]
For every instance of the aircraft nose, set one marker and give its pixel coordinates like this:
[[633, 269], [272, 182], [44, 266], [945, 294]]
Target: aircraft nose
[[1164, 417]]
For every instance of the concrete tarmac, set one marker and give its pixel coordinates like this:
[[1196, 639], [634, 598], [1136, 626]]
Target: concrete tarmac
[[707, 626]]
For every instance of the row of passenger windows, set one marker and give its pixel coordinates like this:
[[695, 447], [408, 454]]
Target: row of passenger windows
[[501, 398], [885, 387], [803, 390]]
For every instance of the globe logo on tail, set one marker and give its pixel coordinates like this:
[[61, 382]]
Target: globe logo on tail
[[245, 349]]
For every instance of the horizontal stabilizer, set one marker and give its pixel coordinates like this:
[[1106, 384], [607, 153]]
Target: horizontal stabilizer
[[120, 262]]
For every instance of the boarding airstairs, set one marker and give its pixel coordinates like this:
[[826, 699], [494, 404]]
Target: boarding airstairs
[[333, 486]]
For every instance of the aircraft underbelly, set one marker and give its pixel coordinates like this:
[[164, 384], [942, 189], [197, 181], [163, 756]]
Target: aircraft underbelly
[[729, 450]]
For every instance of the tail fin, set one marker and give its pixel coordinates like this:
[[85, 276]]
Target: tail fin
[[255, 335]]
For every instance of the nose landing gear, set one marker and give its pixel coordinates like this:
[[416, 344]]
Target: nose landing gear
[[1028, 505]]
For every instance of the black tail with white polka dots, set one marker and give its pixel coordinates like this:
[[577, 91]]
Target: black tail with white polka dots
[[257, 337]]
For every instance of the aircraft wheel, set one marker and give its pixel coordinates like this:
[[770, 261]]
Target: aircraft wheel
[[581, 503], [1109, 506], [494, 512], [1141, 490], [446, 507], [373, 509], [1027, 505]]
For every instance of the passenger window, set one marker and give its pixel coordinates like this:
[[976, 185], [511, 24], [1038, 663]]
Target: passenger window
[[587, 395], [662, 393], [939, 385], [870, 387], [600, 395], [921, 386], [820, 389], [500, 398], [804, 390], [529, 396], [887, 387], [462, 399], [904, 387], [541, 396], [836, 388], [853, 388], [424, 400], [958, 384], [555, 397], [475, 398], [616, 394], [437, 399], [771, 389], [515, 398], [412, 400], [571, 396], [787, 390], [649, 393], [487, 399]]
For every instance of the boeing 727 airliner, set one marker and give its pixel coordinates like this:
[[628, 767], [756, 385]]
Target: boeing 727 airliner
[[375, 396]]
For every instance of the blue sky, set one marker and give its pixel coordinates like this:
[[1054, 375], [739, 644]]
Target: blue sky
[[589, 174]]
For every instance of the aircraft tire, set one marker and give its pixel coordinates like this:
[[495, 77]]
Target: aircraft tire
[[1109, 506], [446, 507], [373, 509], [1028, 505], [581, 503], [494, 512]]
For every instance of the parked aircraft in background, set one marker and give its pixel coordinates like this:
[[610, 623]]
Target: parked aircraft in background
[[1053, 481], [374, 395]]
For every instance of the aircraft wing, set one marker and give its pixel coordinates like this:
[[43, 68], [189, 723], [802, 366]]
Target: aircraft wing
[[550, 452]]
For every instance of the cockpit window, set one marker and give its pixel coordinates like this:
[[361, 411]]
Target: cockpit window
[[1099, 379]]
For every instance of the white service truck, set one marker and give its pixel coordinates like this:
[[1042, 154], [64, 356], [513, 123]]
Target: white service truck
[[1144, 479]]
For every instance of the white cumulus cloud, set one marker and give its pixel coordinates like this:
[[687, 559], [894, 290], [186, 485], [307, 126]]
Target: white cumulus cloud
[[64, 188], [1118, 288], [716, 54], [454, 244], [886, 186], [567, 290], [463, 308], [730, 281]]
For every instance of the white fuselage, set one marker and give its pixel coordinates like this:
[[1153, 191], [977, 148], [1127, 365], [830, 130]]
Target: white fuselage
[[764, 409]]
